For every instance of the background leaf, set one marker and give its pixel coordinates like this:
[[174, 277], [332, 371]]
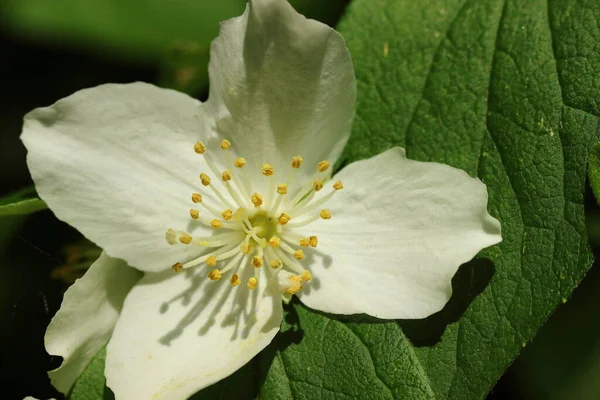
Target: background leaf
[[594, 170], [22, 202]]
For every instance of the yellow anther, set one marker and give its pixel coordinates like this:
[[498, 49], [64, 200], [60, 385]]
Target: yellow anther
[[214, 275], [282, 188], [215, 223], [304, 242], [205, 179], [246, 249], [257, 261], [322, 166], [171, 236], [185, 239], [240, 162], [257, 200], [252, 283], [177, 267], [306, 276], [276, 263], [226, 175], [227, 214], [338, 185], [195, 214], [267, 170], [274, 241], [284, 219], [211, 261], [199, 148], [196, 197], [318, 185], [295, 285], [313, 241], [325, 214], [235, 280], [299, 254], [296, 162], [225, 144]]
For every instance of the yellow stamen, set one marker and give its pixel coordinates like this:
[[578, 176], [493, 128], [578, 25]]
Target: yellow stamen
[[211, 261], [282, 188], [276, 263], [215, 223], [257, 261], [314, 241], [338, 185], [295, 285], [325, 214], [299, 254], [195, 214], [240, 162], [225, 144], [199, 148], [171, 236], [318, 185], [246, 249], [307, 276], [185, 239], [226, 175], [205, 179], [235, 280], [267, 169], [274, 241], [304, 242], [227, 214], [257, 200], [214, 275], [177, 267], [196, 197], [252, 283], [296, 162], [284, 218], [322, 166]]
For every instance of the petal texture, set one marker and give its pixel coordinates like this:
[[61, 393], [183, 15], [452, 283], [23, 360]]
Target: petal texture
[[180, 333], [117, 163], [282, 85], [399, 232], [87, 316]]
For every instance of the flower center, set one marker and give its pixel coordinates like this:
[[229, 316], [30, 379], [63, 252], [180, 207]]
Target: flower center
[[252, 230]]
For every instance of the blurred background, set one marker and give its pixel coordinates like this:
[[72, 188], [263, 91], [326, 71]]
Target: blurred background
[[50, 49]]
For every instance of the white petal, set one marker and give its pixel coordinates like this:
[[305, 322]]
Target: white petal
[[86, 318], [400, 230], [117, 163], [283, 86], [180, 333]]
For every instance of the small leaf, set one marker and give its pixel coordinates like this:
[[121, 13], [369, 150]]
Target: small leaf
[[594, 171], [22, 202]]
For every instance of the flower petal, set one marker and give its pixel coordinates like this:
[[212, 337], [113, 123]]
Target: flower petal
[[117, 163], [86, 318], [282, 85], [178, 334], [400, 230]]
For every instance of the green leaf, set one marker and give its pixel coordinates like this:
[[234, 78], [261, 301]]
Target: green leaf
[[594, 170], [91, 383], [505, 90], [22, 202]]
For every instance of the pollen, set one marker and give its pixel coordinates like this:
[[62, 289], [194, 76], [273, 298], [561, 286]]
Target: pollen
[[325, 214], [196, 197], [235, 280], [274, 241], [257, 261], [322, 166], [226, 175], [296, 162], [276, 263], [318, 185], [252, 283], [214, 275], [195, 214], [284, 219], [314, 241], [205, 179], [240, 162], [185, 239], [211, 261], [215, 223], [304, 242], [338, 185], [295, 285], [225, 144], [257, 200], [306, 276], [267, 170], [299, 254], [199, 148], [282, 188], [227, 214], [177, 267]]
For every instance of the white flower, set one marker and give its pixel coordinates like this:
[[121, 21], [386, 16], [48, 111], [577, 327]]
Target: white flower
[[121, 164]]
